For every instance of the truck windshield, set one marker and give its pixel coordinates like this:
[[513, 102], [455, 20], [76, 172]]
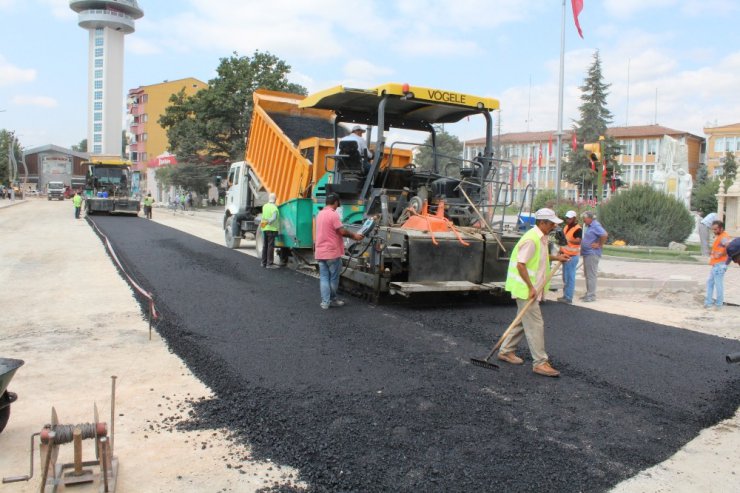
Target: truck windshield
[[56, 186]]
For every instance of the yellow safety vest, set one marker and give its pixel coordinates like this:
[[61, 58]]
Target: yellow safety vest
[[270, 210], [514, 282]]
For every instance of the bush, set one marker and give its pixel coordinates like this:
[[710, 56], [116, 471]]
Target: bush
[[644, 216], [704, 197], [546, 198]]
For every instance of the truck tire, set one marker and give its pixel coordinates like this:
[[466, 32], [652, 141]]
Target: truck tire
[[232, 241]]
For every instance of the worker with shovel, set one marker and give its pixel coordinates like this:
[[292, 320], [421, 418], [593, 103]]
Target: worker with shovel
[[527, 280]]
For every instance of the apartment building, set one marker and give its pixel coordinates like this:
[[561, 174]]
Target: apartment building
[[721, 140], [145, 104], [534, 165]]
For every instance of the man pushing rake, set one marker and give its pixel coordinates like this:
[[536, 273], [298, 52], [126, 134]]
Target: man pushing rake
[[529, 267]]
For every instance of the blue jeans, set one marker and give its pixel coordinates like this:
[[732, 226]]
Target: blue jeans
[[569, 277], [716, 282], [329, 271]]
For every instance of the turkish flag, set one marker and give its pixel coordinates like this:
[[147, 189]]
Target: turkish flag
[[549, 146], [519, 176], [574, 142], [577, 8], [539, 158], [593, 165], [511, 176], [603, 169]]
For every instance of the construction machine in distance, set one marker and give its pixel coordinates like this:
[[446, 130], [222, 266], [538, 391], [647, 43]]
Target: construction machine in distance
[[111, 187], [426, 230]]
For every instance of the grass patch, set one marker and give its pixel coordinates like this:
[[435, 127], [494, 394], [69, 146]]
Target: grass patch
[[651, 253]]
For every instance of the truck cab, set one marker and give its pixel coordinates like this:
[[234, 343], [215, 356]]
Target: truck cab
[[55, 190]]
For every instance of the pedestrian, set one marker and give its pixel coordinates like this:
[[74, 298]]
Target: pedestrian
[[529, 269], [594, 238], [189, 201], [705, 226], [733, 251], [77, 202], [718, 259], [573, 234], [269, 226], [329, 248], [148, 202]]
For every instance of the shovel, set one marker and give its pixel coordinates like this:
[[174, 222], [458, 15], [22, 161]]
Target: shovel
[[484, 363]]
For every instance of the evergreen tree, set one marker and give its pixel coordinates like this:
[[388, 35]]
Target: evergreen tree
[[702, 175], [449, 150], [593, 123], [729, 169]]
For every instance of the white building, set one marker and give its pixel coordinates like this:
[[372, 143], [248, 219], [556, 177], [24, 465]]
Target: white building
[[107, 22]]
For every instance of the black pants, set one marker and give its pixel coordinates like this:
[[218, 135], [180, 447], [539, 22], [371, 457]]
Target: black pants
[[268, 247]]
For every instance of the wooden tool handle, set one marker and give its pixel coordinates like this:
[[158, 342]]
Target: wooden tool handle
[[521, 314]]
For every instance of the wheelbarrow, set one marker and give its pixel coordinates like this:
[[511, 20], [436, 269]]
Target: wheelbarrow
[[7, 370]]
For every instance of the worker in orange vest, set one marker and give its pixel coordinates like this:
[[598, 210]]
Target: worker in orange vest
[[573, 235], [718, 260]]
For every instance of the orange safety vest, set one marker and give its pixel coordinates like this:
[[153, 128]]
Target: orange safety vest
[[571, 248], [719, 251]]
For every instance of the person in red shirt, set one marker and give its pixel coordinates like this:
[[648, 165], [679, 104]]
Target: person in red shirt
[[329, 248]]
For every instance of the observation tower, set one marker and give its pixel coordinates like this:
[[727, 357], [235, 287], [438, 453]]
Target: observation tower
[[107, 22]]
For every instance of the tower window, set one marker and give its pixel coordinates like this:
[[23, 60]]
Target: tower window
[[98, 63], [98, 106], [98, 84], [98, 95], [98, 138], [98, 117], [98, 51], [98, 74], [97, 127], [98, 41]]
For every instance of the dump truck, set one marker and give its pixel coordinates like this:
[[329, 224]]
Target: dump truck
[[55, 190], [111, 187], [426, 230]]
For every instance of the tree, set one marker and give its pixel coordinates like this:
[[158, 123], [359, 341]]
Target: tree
[[594, 121], [702, 175], [212, 126], [81, 147], [7, 138], [729, 169], [704, 197], [448, 146]]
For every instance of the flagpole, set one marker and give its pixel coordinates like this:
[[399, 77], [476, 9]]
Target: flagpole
[[559, 155]]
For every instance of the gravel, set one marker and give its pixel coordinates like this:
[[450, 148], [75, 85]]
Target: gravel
[[383, 398]]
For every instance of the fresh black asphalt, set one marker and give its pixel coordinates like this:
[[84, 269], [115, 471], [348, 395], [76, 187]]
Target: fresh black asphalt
[[383, 398]]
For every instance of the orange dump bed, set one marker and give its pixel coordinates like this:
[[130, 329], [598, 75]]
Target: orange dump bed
[[288, 145]]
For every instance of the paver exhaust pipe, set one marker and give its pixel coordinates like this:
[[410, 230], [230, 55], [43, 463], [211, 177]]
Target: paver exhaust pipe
[[733, 357]]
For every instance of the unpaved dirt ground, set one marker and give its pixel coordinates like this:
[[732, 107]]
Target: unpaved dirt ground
[[86, 326], [73, 320]]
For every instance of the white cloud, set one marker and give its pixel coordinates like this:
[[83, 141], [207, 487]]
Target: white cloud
[[60, 9], [41, 101], [627, 8], [141, 46], [364, 70], [11, 74]]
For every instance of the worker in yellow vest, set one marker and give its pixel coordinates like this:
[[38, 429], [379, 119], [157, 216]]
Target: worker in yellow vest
[[529, 270], [573, 234], [148, 202], [269, 226], [77, 202], [718, 260]]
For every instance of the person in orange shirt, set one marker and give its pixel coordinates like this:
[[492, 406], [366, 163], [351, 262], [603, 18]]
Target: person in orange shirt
[[718, 260]]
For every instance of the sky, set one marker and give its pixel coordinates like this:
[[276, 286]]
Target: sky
[[671, 62]]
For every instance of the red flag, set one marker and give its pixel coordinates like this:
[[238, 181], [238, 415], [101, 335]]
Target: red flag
[[603, 168], [539, 158], [574, 142], [614, 182], [511, 176], [549, 146], [593, 165], [519, 176], [577, 8]]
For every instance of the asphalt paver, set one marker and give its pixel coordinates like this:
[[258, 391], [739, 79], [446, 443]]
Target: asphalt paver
[[384, 398]]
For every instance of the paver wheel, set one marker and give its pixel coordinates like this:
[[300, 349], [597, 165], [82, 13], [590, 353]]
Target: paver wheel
[[4, 416]]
